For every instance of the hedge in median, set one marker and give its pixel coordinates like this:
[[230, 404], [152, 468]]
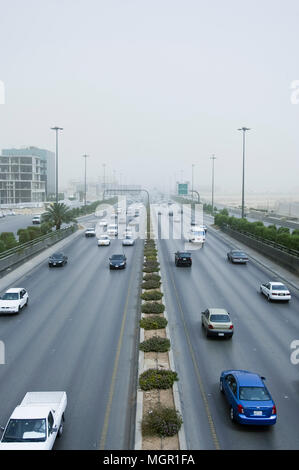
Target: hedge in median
[[155, 344], [151, 277], [153, 323], [162, 421], [150, 284], [152, 307], [157, 378], [152, 295]]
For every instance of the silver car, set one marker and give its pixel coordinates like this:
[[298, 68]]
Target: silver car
[[217, 322]]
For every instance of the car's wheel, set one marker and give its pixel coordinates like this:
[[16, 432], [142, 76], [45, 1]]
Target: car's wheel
[[19, 309], [221, 386], [27, 302], [231, 414], [207, 333], [268, 298], [60, 430]]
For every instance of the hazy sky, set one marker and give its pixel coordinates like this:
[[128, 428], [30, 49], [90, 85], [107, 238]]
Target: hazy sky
[[150, 87]]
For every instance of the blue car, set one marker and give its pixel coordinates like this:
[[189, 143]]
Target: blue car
[[249, 399]]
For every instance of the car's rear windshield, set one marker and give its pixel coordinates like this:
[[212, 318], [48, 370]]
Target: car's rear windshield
[[185, 255], [278, 287], [219, 318], [238, 253], [254, 394]]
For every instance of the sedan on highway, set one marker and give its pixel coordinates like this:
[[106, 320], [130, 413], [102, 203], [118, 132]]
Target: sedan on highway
[[217, 322], [237, 256], [90, 232], [104, 240], [182, 258], [117, 261], [103, 223], [275, 291], [249, 399], [128, 240], [112, 230], [57, 259], [14, 300]]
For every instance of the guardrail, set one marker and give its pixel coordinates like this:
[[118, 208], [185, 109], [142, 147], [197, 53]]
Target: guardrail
[[59, 234], [276, 245], [12, 258]]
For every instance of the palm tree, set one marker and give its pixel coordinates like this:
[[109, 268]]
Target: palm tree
[[58, 213]]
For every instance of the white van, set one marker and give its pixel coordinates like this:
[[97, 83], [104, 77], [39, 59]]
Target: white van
[[197, 234], [36, 219]]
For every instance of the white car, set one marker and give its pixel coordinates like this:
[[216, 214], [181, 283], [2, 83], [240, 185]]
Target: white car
[[128, 232], [14, 300], [103, 223], [104, 240], [275, 291], [112, 230], [128, 241], [90, 232], [35, 422]]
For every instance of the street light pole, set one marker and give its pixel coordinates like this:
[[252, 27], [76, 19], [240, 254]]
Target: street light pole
[[85, 156], [192, 179], [104, 182], [56, 129], [243, 129], [213, 158]]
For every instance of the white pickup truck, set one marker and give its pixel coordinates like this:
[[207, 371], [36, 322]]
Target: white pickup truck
[[35, 423]]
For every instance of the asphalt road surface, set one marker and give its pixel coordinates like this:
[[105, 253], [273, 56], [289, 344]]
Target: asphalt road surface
[[78, 334], [261, 343]]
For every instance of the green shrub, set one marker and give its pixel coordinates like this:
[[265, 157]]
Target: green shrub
[[153, 323], [152, 307], [46, 227], [23, 235], [151, 277], [157, 378], [2, 246], [151, 258], [8, 239], [162, 421], [152, 295], [151, 269], [151, 285], [155, 344]]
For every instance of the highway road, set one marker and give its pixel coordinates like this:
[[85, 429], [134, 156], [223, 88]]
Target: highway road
[[261, 343], [13, 223], [79, 334]]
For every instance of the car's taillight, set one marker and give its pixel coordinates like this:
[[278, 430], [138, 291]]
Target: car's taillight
[[240, 409], [231, 327], [274, 410], [211, 327]]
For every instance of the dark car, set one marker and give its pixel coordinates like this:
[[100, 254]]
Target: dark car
[[117, 262], [57, 259], [170, 213], [182, 258], [237, 256]]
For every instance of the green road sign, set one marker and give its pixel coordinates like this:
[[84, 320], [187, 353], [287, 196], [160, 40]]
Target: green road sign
[[182, 189]]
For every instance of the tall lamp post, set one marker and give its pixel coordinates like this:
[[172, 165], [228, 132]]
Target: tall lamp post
[[243, 129], [85, 157], [104, 182], [213, 158], [56, 129], [192, 179]]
